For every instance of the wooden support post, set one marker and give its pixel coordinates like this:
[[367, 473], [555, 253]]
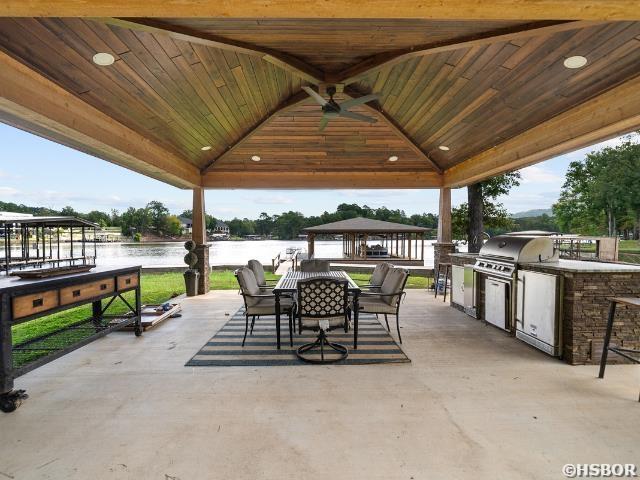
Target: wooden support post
[[353, 246], [311, 244], [199, 236], [409, 246], [443, 246]]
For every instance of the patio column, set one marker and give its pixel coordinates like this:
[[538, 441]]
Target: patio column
[[311, 238], [199, 236], [444, 245]]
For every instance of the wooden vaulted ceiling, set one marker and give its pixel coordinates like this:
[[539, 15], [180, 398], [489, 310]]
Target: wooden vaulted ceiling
[[480, 87]]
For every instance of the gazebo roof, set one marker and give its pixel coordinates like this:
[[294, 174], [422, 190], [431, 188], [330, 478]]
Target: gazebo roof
[[364, 225]]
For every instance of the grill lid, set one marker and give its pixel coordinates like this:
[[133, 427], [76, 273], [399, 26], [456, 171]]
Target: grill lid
[[519, 249]]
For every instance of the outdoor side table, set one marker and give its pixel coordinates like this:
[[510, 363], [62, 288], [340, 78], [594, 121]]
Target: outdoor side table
[[623, 352]]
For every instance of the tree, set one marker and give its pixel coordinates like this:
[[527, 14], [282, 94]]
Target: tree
[[481, 210], [289, 224], [158, 214], [601, 193], [173, 226]]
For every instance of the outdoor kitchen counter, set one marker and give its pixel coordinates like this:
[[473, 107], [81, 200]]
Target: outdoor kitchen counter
[[587, 288], [583, 266]]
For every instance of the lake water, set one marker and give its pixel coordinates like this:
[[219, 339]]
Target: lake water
[[220, 253]]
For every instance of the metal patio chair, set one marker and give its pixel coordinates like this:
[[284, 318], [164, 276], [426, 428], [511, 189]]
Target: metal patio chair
[[323, 306], [387, 300], [377, 277], [257, 303], [315, 266], [258, 270]]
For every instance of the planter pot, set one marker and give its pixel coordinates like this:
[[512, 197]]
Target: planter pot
[[191, 282]]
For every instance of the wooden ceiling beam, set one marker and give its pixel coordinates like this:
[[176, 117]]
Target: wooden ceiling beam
[[427, 9], [33, 103], [320, 180], [389, 59], [397, 129], [291, 102], [282, 60], [605, 116]]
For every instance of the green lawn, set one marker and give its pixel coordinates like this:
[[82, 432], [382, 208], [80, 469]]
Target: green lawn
[[156, 288]]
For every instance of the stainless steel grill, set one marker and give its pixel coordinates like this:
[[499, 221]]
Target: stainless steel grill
[[498, 260]]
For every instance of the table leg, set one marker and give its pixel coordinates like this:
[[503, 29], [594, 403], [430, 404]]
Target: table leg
[[356, 308], [138, 312], [277, 319], [607, 339]]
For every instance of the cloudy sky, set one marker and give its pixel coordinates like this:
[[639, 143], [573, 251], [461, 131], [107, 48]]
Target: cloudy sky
[[37, 172]]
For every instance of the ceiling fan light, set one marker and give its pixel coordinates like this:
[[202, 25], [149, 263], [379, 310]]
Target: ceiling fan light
[[393, 158], [205, 148], [255, 158], [444, 148]]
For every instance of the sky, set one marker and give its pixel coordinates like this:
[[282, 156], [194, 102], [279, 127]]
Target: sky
[[38, 172]]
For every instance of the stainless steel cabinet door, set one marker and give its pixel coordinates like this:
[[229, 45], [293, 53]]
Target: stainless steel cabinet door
[[537, 305], [495, 305], [457, 285]]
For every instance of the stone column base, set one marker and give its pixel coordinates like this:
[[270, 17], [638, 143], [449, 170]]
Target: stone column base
[[203, 267], [441, 252]]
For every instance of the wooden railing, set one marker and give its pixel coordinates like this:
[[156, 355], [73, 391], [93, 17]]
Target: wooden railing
[[275, 262]]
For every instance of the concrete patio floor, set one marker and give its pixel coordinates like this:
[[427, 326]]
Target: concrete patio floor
[[474, 403]]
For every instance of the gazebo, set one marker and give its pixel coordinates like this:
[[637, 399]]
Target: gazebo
[[397, 241], [209, 95]]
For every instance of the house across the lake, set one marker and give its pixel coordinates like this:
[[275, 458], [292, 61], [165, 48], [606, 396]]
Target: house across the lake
[[221, 228], [186, 224]]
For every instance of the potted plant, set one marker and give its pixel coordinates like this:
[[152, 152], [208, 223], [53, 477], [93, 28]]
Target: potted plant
[[191, 275]]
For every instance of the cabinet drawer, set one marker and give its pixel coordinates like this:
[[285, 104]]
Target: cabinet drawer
[[26, 305], [84, 291], [127, 281]]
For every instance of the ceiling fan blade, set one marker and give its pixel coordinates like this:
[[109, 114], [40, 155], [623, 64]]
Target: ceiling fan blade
[[323, 123], [358, 101], [315, 95], [357, 116]]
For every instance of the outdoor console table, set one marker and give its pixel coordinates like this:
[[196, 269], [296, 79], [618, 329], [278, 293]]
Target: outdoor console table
[[25, 300], [623, 352], [288, 284]]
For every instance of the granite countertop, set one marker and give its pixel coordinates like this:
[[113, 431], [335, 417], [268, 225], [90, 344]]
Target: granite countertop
[[582, 266], [464, 255]]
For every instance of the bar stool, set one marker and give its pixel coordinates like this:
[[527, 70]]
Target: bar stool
[[447, 272], [623, 352]]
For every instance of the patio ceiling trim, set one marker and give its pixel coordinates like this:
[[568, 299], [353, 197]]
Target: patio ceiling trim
[[320, 180], [293, 101], [31, 102], [428, 9], [388, 59], [287, 62], [398, 130], [613, 113]]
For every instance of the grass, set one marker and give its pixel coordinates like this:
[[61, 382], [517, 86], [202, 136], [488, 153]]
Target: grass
[[156, 288]]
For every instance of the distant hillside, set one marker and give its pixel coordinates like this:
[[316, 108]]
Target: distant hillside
[[533, 213]]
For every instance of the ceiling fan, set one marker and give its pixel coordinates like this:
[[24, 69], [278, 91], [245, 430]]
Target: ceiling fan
[[332, 109]]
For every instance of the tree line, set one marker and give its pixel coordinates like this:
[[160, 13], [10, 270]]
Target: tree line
[[601, 194]]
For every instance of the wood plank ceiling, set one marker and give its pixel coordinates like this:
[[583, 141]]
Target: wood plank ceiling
[[235, 84]]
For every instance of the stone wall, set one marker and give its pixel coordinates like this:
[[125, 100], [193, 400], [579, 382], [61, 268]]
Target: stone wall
[[441, 253]]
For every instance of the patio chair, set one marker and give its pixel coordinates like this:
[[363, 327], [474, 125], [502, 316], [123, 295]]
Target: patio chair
[[258, 270], [323, 306], [387, 300], [314, 266], [257, 303], [378, 276]]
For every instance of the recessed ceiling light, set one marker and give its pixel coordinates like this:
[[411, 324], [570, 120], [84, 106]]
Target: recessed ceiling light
[[393, 158], [103, 59], [255, 158], [444, 148], [205, 148], [577, 61]]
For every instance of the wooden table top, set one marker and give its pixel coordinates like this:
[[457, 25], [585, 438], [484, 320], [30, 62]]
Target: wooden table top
[[632, 301], [289, 281]]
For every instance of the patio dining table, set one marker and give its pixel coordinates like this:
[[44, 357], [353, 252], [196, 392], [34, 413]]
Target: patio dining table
[[288, 284]]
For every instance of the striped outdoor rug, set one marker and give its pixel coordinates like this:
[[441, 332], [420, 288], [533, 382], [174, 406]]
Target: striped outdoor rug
[[375, 345]]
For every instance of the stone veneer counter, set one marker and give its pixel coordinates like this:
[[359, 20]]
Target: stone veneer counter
[[588, 286], [583, 266]]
